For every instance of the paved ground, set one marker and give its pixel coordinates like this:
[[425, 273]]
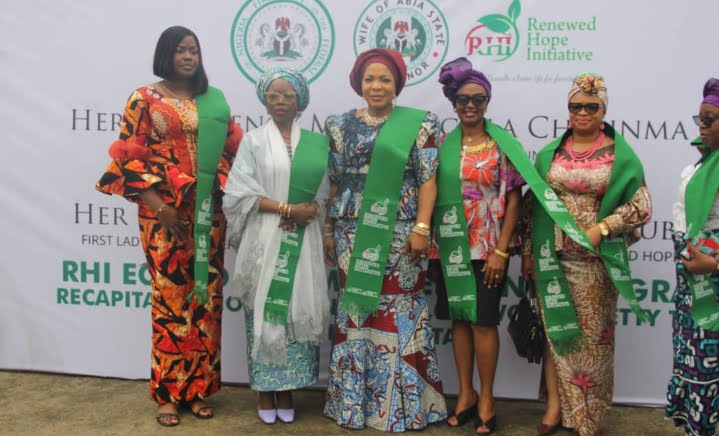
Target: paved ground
[[50, 404]]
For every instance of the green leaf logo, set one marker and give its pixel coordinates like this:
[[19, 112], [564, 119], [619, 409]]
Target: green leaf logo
[[514, 10], [496, 22], [503, 24]]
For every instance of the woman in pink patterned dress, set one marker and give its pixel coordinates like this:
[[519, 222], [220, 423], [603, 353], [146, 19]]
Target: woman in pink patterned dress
[[580, 383]]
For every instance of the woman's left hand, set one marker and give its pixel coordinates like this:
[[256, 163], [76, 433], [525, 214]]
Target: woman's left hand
[[302, 214], [595, 236], [417, 247], [700, 263], [494, 270], [288, 224]]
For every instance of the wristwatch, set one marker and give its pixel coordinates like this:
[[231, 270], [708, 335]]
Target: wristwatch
[[603, 229], [422, 226]]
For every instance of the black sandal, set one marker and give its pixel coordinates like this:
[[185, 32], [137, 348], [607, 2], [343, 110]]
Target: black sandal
[[491, 425], [466, 415], [166, 419]]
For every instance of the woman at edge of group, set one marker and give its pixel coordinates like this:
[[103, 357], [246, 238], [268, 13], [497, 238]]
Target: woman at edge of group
[[477, 178], [176, 177], [263, 212], [693, 392], [600, 182], [383, 368]]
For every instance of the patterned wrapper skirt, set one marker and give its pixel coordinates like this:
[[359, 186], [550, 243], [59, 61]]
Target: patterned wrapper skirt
[[586, 376], [302, 369], [693, 392], [185, 335], [383, 368]]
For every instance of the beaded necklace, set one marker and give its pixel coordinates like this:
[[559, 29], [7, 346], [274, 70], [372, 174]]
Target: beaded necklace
[[288, 145], [586, 153]]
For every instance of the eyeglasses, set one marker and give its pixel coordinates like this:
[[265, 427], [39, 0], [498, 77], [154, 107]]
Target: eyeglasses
[[706, 120], [276, 97], [589, 108], [476, 99]]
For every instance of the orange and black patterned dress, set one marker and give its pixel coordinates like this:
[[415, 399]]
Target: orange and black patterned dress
[[158, 149]]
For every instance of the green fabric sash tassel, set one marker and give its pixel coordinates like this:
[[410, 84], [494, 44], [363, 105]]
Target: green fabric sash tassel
[[626, 178], [212, 113], [306, 173], [700, 194], [378, 212], [450, 222]]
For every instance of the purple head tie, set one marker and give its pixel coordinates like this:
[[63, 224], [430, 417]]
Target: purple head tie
[[711, 92], [459, 72]]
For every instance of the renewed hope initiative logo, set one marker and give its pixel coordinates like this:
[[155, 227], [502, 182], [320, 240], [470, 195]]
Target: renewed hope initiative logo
[[496, 36], [416, 29], [296, 34]]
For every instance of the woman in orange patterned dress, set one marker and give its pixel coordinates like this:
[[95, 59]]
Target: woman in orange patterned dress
[[155, 164], [491, 192]]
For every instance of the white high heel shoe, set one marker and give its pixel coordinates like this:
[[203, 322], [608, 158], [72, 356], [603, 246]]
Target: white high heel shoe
[[286, 415], [268, 416]]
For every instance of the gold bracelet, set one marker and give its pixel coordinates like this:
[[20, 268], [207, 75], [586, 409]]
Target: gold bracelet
[[159, 209], [422, 226], [280, 208], [420, 231], [603, 229], [501, 253], [289, 212]]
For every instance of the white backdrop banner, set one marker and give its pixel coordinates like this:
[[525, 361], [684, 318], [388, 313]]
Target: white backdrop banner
[[75, 295]]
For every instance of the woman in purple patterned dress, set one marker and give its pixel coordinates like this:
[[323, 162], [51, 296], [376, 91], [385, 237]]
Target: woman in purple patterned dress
[[693, 392]]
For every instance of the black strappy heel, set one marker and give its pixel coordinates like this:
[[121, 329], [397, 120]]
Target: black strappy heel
[[466, 415], [491, 425]]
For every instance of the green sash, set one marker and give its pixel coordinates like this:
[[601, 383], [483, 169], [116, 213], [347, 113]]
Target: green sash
[[699, 144], [450, 222], [308, 168], [378, 212], [212, 115], [626, 178], [701, 191]]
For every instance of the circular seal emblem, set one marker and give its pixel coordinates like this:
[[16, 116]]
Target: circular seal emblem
[[295, 34], [416, 29]]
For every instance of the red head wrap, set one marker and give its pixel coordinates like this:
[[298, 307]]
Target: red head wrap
[[389, 58]]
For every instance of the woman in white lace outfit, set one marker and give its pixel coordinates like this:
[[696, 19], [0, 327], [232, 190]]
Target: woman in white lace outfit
[[285, 357]]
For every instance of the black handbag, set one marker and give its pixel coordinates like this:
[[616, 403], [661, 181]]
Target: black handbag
[[525, 327]]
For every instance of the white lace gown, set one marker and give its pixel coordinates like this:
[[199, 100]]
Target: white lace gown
[[279, 357]]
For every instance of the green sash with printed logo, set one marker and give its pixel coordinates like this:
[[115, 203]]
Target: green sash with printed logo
[[212, 115], [378, 212], [450, 222], [626, 178], [700, 194], [308, 168]]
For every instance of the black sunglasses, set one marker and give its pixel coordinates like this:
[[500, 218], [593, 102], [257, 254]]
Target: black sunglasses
[[476, 99], [590, 108], [706, 120]]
